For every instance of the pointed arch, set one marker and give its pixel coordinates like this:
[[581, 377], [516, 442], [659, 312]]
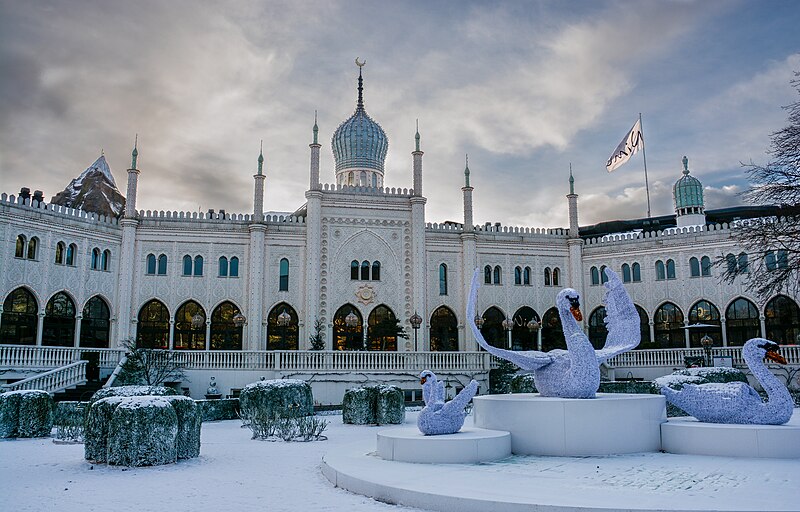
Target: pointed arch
[[198, 265], [376, 270], [636, 270], [354, 270], [223, 266], [782, 320], [58, 329], [444, 330], [382, 329], [442, 279], [19, 322], [552, 331], [347, 337], [644, 328], [523, 338], [95, 263], [234, 267], [162, 264], [186, 336], [283, 278], [670, 269], [705, 266], [547, 279], [487, 274], [526, 276], [597, 327], [595, 276], [187, 265], [626, 273], [365, 270], [151, 264], [603, 276], [19, 251], [741, 322], [72, 251], [668, 322], [492, 329], [517, 275], [105, 261], [497, 275], [33, 248], [704, 312], [661, 271], [224, 333], [61, 248], [95, 323], [152, 329], [282, 337], [557, 276], [694, 267]]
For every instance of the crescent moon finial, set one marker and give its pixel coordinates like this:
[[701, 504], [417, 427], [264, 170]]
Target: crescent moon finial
[[360, 64]]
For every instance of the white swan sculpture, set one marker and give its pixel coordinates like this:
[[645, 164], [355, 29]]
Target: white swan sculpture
[[575, 372], [438, 417], [737, 402]]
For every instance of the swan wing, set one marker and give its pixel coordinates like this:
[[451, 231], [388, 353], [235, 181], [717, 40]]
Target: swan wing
[[439, 391], [622, 320], [528, 360], [457, 404]]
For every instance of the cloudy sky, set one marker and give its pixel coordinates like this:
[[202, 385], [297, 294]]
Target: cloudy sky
[[526, 88]]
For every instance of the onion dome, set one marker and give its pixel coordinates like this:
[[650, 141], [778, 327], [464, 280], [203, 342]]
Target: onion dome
[[359, 143], [688, 193]]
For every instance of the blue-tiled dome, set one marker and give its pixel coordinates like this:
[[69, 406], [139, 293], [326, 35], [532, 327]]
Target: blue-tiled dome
[[359, 142], [688, 191]]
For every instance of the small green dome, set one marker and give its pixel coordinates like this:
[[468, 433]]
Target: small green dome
[[687, 191]]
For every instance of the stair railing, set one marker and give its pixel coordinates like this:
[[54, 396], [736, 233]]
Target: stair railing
[[52, 381], [115, 373]]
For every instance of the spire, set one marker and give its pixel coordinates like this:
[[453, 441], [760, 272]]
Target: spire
[[571, 180], [135, 152], [416, 137], [261, 157], [685, 165], [316, 129], [466, 170], [360, 105]]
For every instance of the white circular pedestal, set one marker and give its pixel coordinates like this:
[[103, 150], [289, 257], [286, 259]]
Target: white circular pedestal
[[608, 424], [689, 436], [469, 446]]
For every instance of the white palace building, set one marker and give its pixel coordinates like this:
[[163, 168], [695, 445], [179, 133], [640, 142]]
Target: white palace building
[[238, 295]]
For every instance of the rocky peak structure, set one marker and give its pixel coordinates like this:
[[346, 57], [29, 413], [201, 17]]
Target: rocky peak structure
[[93, 191]]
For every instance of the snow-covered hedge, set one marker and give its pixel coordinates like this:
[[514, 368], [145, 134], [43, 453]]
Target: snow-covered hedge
[[276, 399], [190, 421], [373, 405], [222, 409], [522, 383], [26, 413], [143, 432], [131, 391], [96, 431], [69, 419], [641, 387]]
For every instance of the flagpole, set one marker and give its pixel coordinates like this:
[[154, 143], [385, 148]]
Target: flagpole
[[644, 158]]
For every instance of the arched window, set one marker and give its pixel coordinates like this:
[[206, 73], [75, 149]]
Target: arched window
[[704, 312], [626, 273], [105, 261], [376, 270], [382, 330], [363, 179], [223, 266], [741, 322], [151, 264], [523, 338], [487, 275], [442, 279], [603, 276], [72, 250], [547, 281], [741, 261], [498, 274], [705, 266], [374, 180], [444, 330], [60, 249], [95, 265], [492, 329], [670, 269], [552, 331], [348, 337], [283, 279], [58, 329], [730, 261], [224, 333], [354, 270], [365, 270], [351, 178], [187, 335], [33, 248], [198, 265], [557, 276], [597, 327], [694, 267], [19, 252], [95, 323], [282, 335], [234, 267], [661, 272], [668, 322], [595, 276], [152, 330], [517, 275], [187, 265], [19, 320], [526, 276], [644, 329], [636, 270], [782, 320], [162, 265]]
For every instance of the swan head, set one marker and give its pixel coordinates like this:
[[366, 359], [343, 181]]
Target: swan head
[[570, 300], [763, 348], [425, 376]]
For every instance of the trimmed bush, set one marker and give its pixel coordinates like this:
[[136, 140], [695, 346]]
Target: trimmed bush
[[143, 432], [26, 413], [96, 430], [222, 409], [190, 421], [276, 399], [522, 383], [69, 419], [373, 405], [131, 391]]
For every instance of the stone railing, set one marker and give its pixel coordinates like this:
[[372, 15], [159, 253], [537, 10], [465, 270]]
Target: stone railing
[[27, 356], [52, 381], [674, 357]]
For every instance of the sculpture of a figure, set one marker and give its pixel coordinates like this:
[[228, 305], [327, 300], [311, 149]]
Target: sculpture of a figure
[[440, 417], [575, 372], [737, 402]]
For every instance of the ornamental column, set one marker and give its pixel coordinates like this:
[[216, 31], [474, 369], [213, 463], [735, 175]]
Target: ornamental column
[[574, 242], [418, 245], [313, 268], [469, 257], [255, 268], [126, 287]]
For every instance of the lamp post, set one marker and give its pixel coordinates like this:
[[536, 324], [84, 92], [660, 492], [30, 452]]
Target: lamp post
[[707, 342], [351, 320], [508, 324], [416, 321], [282, 321]]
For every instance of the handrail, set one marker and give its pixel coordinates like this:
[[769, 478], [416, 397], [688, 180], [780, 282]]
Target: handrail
[[113, 377], [34, 356], [52, 381]]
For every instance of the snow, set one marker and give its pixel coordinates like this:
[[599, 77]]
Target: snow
[[101, 165]]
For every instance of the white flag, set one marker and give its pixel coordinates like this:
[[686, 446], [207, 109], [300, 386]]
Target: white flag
[[631, 144]]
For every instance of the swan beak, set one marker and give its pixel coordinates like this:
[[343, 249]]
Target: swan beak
[[774, 356], [576, 312], [422, 380]]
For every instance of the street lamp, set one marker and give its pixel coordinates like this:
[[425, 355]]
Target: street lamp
[[507, 324], [239, 320], [707, 342], [416, 321], [283, 320], [351, 320], [479, 321], [197, 321]]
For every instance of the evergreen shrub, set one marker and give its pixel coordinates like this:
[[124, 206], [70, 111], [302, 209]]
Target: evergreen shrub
[[131, 391], [522, 383], [222, 409], [276, 398], [69, 419], [369, 405], [26, 413], [143, 432]]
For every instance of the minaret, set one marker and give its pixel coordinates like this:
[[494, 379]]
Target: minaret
[[418, 244], [127, 258], [256, 264], [467, 190], [313, 246], [469, 256], [315, 146], [417, 165], [133, 181], [574, 242]]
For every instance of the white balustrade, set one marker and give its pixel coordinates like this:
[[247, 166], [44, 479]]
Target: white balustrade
[[54, 380], [28, 356], [674, 357]]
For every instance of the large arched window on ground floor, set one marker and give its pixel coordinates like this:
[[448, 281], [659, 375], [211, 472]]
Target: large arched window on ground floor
[[782, 320], [444, 330], [382, 330], [95, 323], [704, 312], [190, 327], [552, 331], [524, 334], [19, 321], [282, 328], [741, 322], [492, 329], [348, 329], [668, 323], [152, 330], [597, 327], [644, 328], [225, 335], [58, 329]]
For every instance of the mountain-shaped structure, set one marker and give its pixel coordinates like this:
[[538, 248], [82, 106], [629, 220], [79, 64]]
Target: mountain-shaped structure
[[93, 191]]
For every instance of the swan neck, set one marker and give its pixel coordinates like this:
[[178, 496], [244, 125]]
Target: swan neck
[[768, 381]]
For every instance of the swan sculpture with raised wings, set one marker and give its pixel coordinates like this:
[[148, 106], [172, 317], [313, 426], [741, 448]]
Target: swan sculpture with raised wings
[[440, 417], [737, 402], [575, 372]]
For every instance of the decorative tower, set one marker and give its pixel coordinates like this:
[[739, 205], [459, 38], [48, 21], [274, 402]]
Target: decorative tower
[[125, 329], [313, 244], [467, 190], [315, 147], [417, 165], [418, 241], [258, 195], [256, 264], [688, 195], [574, 242], [469, 256]]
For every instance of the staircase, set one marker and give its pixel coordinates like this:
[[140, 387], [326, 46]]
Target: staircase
[[80, 393]]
